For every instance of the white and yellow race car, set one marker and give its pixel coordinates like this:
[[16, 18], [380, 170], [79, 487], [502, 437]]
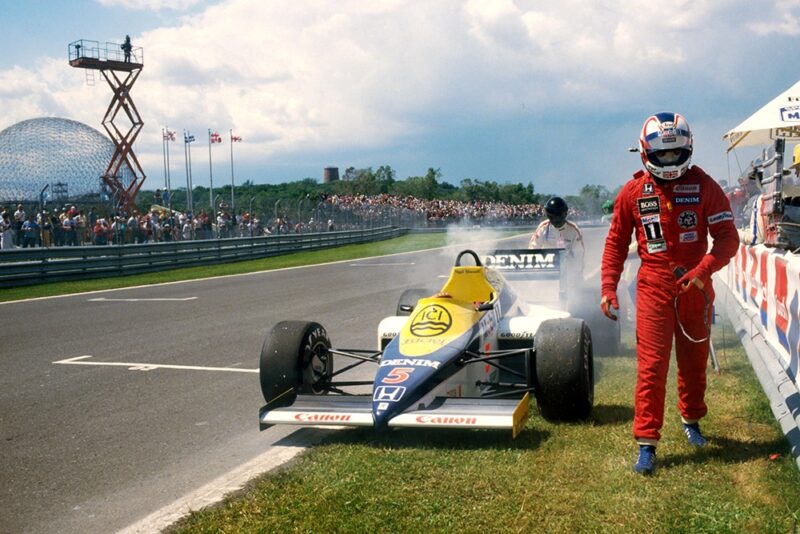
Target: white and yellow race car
[[468, 356]]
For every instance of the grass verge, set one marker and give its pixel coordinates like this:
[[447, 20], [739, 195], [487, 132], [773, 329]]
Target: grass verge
[[552, 478]]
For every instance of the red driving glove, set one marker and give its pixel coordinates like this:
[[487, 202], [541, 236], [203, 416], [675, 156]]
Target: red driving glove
[[692, 278], [608, 301]]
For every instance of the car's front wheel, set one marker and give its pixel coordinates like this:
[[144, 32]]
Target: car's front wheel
[[295, 358]]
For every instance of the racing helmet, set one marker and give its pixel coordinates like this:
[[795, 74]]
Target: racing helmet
[[556, 211], [665, 145]]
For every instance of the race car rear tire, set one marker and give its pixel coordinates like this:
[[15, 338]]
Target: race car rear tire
[[408, 300], [295, 358], [605, 332], [564, 382]]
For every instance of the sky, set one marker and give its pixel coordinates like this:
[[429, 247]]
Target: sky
[[511, 91]]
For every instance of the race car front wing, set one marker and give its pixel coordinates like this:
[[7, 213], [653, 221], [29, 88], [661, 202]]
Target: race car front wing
[[443, 412]]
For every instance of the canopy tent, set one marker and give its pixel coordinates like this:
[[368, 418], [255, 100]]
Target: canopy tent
[[779, 119]]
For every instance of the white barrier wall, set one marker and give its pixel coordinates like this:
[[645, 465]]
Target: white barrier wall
[[767, 281], [762, 301]]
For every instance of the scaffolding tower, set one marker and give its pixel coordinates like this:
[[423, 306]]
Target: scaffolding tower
[[120, 64]]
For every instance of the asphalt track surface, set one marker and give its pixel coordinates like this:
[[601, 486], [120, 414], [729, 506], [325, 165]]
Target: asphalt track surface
[[118, 405]]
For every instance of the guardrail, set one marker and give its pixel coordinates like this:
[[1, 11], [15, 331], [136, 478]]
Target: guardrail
[[39, 265]]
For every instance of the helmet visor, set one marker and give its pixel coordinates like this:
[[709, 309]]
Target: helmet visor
[[557, 219], [668, 157]]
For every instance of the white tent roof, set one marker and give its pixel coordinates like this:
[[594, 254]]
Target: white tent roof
[[779, 119]]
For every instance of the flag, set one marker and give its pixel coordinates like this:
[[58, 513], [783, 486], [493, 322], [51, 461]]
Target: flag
[[235, 139], [169, 135], [215, 137], [188, 138]]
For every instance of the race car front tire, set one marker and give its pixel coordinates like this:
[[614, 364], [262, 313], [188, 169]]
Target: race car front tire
[[564, 381], [295, 358]]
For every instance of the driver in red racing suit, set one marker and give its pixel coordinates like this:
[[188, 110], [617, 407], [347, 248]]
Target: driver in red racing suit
[[672, 207]]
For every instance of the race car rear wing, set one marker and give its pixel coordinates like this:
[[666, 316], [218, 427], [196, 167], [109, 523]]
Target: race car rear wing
[[542, 263], [444, 412]]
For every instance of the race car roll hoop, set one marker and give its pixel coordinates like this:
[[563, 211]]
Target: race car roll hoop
[[426, 373]]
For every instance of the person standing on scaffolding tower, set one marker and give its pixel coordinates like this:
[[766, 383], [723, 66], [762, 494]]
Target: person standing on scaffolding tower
[[126, 48]]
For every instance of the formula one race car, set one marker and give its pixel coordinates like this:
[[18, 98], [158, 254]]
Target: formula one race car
[[467, 356]]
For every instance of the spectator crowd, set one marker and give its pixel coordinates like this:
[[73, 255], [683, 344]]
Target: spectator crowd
[[71, 226]]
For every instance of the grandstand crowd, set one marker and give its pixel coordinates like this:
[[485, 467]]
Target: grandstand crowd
[[73, 226]]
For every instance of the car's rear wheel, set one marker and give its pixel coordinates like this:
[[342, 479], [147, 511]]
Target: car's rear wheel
[[408, 300], [295, 358], [564, 382]]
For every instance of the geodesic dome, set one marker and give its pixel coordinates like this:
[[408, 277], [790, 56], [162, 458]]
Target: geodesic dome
[[49, 150]]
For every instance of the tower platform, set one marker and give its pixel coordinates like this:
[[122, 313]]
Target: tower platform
[[95, 55]]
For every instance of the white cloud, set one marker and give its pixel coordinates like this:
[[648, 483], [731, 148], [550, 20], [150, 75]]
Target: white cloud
[[782, 20]]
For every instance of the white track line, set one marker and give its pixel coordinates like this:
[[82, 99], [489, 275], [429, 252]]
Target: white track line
[[103, 299], [381, 264], [133, 366], [215, 491]]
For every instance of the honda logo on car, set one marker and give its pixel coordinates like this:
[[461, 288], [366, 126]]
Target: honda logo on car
[[521, 261], [446, 420], [388, 393], [322, 417]]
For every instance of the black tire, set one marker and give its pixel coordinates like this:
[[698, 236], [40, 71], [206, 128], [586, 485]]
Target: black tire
[[408, 300], [564, 382], [585, 304], [295, 358]]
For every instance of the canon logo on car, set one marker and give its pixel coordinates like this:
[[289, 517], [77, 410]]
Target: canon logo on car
[[445, 420], [321, 417]]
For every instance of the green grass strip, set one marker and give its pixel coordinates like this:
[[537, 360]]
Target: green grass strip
[[553, 478]]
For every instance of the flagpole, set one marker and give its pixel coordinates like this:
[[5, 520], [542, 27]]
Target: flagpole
[[233, 211], [191, 183], [210, 177], [169, 178], [164, 153], [186, 164]]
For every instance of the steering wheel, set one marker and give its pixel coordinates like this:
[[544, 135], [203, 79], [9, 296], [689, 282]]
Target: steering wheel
[[471, 252]]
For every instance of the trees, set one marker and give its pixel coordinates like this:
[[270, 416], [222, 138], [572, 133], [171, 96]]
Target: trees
[[476, 190], [590, 199], [426, 187]]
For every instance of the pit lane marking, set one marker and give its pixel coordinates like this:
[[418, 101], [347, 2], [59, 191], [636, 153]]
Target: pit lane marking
[[134, 366], [104, 299]]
